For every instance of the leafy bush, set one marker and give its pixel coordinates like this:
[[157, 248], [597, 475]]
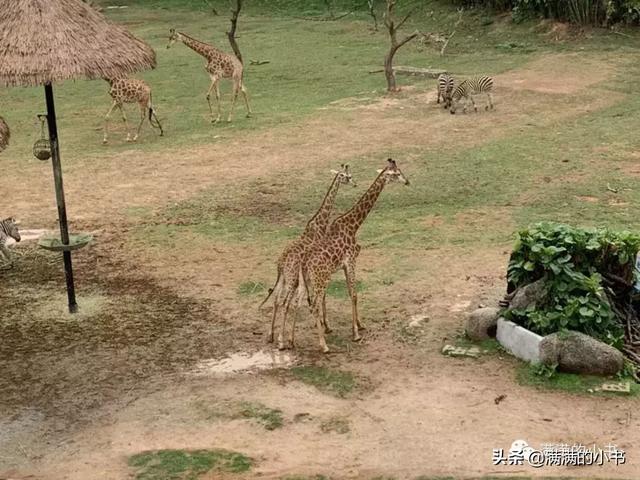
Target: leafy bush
[[579, 268], [583, 12]]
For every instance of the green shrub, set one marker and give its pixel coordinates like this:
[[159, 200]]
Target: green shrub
[[577, 267], [582, 12]]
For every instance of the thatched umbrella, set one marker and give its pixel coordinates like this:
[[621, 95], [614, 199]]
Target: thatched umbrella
[[46, 41], [5, 134]]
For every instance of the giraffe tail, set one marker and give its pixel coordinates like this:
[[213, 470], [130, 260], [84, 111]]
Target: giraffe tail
[[153, 118], [276, 288]]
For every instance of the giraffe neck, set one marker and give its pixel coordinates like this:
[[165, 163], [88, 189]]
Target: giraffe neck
[[319, 222], [197, 46], [354, 218]]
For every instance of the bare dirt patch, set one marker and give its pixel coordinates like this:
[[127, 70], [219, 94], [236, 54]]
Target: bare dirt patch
[[558, 74]]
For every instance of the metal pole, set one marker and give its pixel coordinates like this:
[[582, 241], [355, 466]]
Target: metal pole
[[62, 209]]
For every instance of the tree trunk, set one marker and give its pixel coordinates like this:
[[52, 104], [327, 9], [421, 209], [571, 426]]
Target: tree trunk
[[232, 32], [388, 70]]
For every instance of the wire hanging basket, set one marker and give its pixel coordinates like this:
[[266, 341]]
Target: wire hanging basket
[[42, 147]]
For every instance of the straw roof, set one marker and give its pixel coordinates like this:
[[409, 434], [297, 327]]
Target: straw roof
[[44, 41], [4, 134]]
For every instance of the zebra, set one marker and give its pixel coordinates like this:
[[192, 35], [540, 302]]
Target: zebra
[[445, 88], [470, 87], [8, 228]]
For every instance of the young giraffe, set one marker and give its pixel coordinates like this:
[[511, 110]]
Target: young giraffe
[[219, 65], [131, 90], [289, 261], [339, 248]]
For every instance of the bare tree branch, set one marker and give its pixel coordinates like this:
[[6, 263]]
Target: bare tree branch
[[372, 12], [235, 12], [455, 27], [395, 44], [404, 19]]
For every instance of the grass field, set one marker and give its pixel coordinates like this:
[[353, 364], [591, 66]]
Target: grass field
[[188, 228]]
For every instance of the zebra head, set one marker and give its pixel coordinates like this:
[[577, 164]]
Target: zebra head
[[10, 226], [457, 94]]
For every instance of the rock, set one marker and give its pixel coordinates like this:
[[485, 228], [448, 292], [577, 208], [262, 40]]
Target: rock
[[453, 351], [528, 295], [482, 322], [620, 387], [575, 352], [418, 320]]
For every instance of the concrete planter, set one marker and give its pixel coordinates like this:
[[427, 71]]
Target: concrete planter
[[522, 343]]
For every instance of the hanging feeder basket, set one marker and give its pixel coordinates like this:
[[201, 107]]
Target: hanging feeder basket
[[42, 147], [54, 244]]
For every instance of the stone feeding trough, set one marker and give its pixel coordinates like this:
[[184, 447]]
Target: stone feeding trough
[[571, 352]]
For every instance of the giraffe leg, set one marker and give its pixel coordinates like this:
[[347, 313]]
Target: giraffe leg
[[271, 337], [143, 115], [350, 274], [126, 124], [281, 345], [327, 329], [319, 290], [106, 122], [317, 315], [214, 85], [245, 96], [234, 97]]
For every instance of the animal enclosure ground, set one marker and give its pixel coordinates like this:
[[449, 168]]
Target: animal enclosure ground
[[188, 227]]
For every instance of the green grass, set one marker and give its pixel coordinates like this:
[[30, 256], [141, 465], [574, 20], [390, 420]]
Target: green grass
[[186, 464], [338, 288], [252, 288], [293, 85], [270, 418], [580, 384], [335, 382]]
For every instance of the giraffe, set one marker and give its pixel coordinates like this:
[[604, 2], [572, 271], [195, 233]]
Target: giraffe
[[219, 65], [339, 248], [289, 261], [131, 90]]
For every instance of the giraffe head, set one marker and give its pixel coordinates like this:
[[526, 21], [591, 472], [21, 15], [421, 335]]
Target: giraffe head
[[392, 173], [173, 37], [344, 175]]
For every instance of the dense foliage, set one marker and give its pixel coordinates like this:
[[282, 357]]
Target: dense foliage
[[583, 272], [583, 12]]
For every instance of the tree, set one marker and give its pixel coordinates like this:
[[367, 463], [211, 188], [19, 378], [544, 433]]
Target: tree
[[372, 12], [235, 12], [393, 28]]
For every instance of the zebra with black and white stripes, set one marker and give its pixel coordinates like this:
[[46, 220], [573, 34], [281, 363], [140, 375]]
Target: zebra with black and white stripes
[[470, 87], [8, 228], [445, 88]]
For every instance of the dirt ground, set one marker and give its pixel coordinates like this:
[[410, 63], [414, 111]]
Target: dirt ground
[[81, 393]]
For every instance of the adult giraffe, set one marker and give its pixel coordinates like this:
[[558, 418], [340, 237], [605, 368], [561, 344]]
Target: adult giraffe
[[219, 65]]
